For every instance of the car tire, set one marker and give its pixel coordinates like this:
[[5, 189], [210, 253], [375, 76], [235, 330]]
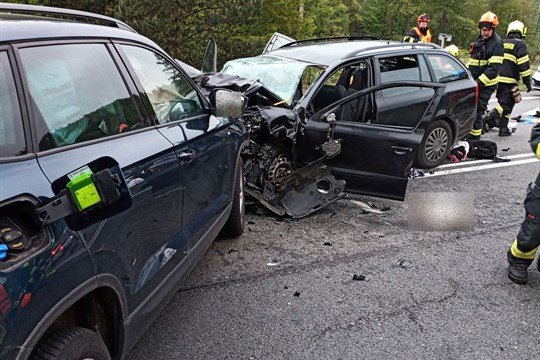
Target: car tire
[[234, 226], [73, 343], [435, 145]]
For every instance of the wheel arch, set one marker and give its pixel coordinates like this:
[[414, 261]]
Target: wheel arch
[[98, 306]]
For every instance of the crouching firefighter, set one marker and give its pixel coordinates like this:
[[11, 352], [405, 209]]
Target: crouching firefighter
[[522, 252], [486, 57], [516, 65]]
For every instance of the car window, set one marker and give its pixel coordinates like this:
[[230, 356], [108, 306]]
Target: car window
[[343, 82], [11, 131], [399, 68], [446, 68], [77, 94], [171, 95]]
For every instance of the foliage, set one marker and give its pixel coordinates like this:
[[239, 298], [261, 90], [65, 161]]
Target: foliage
[[242, 27]]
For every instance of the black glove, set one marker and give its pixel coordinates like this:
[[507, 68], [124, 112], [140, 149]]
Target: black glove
[[529, 88]]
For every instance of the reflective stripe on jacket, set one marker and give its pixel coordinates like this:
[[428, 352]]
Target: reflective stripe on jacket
[[535, 139], [516, 63], [487, 56]]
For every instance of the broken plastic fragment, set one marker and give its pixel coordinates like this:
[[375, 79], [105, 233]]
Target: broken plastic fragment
[[402, 263], [415, 173], [359, 277]]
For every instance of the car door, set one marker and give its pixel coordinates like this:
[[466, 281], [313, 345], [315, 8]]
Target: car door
[[32, 257], [276, 41], [201, 141], [83, 108], [376, 156]]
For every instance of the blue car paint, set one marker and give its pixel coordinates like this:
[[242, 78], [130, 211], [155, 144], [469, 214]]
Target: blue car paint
[[138, 256]]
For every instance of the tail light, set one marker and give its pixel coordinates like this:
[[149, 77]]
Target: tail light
[[476, 94]]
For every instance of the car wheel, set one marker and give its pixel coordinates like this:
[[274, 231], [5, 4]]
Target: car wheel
[[73, 343], [435, 145], [234, 226]]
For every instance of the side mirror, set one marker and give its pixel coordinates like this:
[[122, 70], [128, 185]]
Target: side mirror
[[227, 103]]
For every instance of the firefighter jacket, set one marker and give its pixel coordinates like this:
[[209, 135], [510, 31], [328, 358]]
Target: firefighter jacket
[[417, 35], [486, 58], [535, 140], [516, 62]]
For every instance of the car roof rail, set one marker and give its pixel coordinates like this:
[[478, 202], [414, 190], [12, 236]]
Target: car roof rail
[[61, 12], [394, 44], [328, 39]]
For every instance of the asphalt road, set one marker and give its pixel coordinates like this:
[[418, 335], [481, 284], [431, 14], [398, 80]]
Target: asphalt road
[[285, 289]]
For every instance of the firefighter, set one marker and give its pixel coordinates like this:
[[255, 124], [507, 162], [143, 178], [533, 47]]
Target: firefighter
[[522, 252], [419, 33], [486, 57], [516, 65]]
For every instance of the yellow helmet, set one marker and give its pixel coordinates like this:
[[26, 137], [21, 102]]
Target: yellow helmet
[[452, 49], [517, 27]]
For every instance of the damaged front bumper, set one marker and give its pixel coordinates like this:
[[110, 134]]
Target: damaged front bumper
[[302, 192], [272, 178]]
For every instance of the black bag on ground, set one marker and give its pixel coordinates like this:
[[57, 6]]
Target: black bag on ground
[[482, 149]]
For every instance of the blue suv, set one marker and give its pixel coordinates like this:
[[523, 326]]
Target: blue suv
[[116, 173]]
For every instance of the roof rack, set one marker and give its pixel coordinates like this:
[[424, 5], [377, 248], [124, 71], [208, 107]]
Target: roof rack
[[394, 45], [75, 14], [328, 39]]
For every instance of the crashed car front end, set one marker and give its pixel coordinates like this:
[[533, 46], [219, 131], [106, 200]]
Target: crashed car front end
[[271, 176]]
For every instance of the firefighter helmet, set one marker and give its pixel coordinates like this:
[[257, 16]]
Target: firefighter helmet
[[489, 20], [452, 49], [423, 17], [517, 27]]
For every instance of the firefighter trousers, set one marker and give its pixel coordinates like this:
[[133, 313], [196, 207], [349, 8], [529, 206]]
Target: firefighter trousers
[[506, 100], [484, 93], [523, 250]]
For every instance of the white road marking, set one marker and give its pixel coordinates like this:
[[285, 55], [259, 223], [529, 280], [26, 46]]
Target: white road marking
[[477, 162], [481, 167]]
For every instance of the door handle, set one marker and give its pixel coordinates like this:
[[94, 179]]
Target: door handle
[[187, 155], [401, 150]]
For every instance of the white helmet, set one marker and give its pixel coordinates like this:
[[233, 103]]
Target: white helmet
[[452, 49], [517, 26]]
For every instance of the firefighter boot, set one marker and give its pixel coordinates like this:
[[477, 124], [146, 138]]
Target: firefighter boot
[[518, 273], [491, 119], [503, 128]]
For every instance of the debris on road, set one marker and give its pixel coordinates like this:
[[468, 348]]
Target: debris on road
[[359, 277], [402, 263]]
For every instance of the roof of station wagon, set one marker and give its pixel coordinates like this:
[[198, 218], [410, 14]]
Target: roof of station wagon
[[326, 53]]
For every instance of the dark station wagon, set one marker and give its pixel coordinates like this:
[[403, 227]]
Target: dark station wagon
[[348, 114], [116, 174]]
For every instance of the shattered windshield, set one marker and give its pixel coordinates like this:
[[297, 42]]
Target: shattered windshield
[[279, 75]]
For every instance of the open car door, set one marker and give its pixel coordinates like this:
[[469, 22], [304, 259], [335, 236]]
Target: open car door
[[209, 63], [276, 41], [379, 141]]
